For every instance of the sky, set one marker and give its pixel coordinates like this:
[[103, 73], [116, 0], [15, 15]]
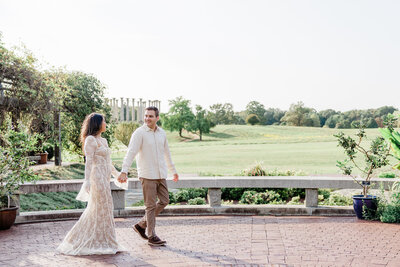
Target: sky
[[340, 54]]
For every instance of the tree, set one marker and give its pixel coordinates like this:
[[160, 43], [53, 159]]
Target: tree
[[324, 115], [273, 115], [222, 114], [252, 119], [299, 115], [254, 107], [200, 123], [179, 116], [84, 95]]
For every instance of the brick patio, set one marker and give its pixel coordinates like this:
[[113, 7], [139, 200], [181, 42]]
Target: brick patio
[[219, 240]]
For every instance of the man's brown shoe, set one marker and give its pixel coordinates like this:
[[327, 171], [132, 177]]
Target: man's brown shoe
[[155, 241], [141, 231]]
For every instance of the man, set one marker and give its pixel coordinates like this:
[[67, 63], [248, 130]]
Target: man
[[149, 143]]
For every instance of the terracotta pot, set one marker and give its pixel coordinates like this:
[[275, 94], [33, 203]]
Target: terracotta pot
[[7, 217], [43, 158]]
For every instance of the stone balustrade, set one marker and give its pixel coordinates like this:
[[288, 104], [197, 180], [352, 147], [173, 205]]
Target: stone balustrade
[[214, 185]]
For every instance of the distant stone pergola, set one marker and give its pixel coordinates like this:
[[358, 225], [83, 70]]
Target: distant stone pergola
[[126, 109]]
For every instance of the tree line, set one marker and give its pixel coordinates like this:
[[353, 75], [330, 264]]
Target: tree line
[[180, 116]]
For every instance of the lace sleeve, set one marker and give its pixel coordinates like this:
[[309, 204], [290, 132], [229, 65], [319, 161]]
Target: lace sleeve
[[89, 148]]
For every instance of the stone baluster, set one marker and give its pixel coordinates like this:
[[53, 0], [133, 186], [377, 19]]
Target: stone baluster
[[133, 110]]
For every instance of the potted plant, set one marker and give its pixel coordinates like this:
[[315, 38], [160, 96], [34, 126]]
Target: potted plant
[[375, 157], [14, 170], [393, 137]]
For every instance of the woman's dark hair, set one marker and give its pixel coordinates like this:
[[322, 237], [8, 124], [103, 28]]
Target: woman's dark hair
[[91, 126]]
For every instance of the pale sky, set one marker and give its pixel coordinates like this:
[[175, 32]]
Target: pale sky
[[329, 54]]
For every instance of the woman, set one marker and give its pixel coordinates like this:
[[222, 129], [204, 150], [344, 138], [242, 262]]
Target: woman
[[94, 233]]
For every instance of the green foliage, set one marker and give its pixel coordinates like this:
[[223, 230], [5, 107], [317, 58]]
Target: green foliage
[[389, 210], [200, 123], [221, 114], [295, 201], [391, 214], [14, 163], [85, 95], [253, 197], [252, 119], [185, 194], [387, 175], [197, 201], [299, 115], [335, 199], [256, 170], [50, 201], [179, 116], [374, 158], [124, 130], [393, 137], [255, 108], [273, 116], [324, 193]]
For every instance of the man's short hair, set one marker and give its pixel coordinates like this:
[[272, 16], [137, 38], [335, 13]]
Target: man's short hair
[[155, 110]]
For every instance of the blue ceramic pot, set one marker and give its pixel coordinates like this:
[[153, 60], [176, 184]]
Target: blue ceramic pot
[[359, 201]]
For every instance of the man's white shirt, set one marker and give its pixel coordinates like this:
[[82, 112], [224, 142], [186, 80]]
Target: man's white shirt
[[152, 153]]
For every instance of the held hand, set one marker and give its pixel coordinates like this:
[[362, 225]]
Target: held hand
[[176, 177], [122, 178]]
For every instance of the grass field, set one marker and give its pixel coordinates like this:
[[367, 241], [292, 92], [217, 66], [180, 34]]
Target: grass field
[[231, 148]]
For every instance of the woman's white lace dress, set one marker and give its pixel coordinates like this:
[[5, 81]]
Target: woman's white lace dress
[[94, 233]]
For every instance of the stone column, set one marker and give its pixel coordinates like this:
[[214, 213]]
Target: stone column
[[311, 197], [133, 109], [149, 103], [116, 109], [214, 197], [118, 196], [121, 115], [127, 110], [140, 118]]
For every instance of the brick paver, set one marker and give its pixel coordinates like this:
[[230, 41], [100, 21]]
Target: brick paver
[[219, 240]]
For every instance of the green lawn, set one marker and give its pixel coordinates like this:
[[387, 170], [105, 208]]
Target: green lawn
[[232, 148]]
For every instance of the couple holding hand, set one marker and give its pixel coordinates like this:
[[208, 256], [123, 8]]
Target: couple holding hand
[[94, 233]]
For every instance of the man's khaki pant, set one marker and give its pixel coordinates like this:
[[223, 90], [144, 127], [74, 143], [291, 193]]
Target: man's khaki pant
[[151, 190]]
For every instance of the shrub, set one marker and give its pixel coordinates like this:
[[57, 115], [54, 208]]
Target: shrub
[[181, 196], [197, 201], [295, 201], [172, 198], [268, 196], [185, 194], [124, 130], [232, 193], [336, 199], [256, 170], [254, 197], [391, 214], [387, 175], [252, 119], [325, 193], [247, 197]]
